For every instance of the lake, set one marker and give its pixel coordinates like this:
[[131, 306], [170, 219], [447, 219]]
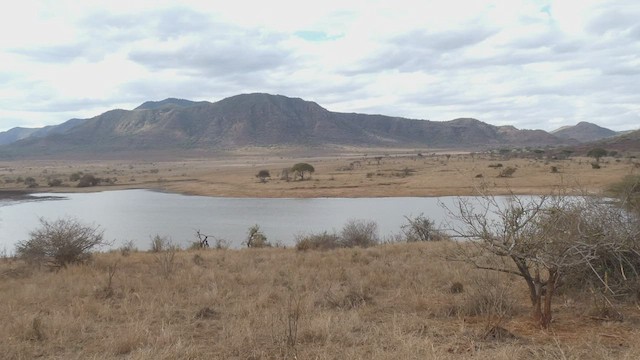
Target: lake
[[138, 215]]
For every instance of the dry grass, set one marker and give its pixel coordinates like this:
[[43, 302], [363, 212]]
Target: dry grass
[[341, 175], [386, 302]]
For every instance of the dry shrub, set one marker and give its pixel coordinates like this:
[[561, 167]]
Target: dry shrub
[[490, 295], [256, 238], [421, 228], [59, 243], [165, 260], [158, 244], [359, 233], [347, 297], [321, 241]]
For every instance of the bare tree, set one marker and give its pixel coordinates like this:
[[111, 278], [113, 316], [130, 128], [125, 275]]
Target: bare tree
[[540, 239]]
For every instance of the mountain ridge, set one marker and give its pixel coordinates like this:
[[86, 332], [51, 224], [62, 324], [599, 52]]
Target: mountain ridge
[[263, 120]]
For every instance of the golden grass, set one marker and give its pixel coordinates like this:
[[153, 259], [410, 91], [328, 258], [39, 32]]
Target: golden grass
[[341, 175], [386, 302]]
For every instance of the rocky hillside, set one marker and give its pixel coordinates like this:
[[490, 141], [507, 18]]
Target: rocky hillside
[[263, 120]]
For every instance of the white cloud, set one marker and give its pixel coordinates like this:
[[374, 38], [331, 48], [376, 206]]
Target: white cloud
[[530, 63]]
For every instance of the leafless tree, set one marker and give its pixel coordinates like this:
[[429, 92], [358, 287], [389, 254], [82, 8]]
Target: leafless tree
[[540, 239]]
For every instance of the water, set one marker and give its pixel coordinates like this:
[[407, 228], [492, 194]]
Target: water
[[138, 215]]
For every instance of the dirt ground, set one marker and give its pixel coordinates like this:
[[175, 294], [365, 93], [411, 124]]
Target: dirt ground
[[372, 173]]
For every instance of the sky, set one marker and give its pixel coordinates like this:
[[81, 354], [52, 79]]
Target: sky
[[533, 64]]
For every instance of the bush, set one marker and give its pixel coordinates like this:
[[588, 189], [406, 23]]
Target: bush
[[507, 172], [256, 238], [75, 176], [359, 233], [628, 192], [421, 228], [322, 241], [88, 180], [30, 182], [59, 243], [158, 244], [54, 182]]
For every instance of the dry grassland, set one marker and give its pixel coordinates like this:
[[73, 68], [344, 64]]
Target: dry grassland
[[387, 302], [346, 175]]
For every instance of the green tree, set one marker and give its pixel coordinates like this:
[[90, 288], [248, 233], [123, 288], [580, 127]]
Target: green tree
[[597, 153], [301, 168], [263, 175]]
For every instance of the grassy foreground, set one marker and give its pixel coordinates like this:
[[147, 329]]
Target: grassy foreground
[[387, 302]]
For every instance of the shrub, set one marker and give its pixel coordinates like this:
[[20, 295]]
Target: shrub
[[166, 259], [54, 182], [256, 238], [158, 243], [421, 228], [359, 233], [59, 243], [88, 180], [30, 182], [128, 247], [75, 176], [321, 241], [507, 172]]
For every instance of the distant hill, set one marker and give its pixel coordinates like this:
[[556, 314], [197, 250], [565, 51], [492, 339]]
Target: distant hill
[[20, 133], [628, 141], [262, 120], [584, 132]]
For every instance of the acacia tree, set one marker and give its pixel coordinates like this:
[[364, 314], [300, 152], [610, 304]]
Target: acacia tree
[[544, 238], [300, 168], [263, 175], [597, 153]]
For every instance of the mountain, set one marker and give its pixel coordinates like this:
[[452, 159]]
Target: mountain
[[20, 133], [628, 141], [262, 120], [167, 103], [584, 132]]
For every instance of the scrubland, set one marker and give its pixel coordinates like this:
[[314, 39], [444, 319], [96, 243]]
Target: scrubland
[[390, 301], [340, 175], [395, 301]]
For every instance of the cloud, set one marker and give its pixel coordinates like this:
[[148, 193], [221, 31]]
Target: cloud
[[529, 63]]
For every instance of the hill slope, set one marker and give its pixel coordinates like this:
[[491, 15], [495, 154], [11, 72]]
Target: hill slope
[[584, 132], [264, 120]]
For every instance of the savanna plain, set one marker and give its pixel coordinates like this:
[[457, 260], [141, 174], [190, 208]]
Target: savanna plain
[[386, 299]]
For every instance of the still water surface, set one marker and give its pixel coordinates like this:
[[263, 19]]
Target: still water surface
[[138, 215]]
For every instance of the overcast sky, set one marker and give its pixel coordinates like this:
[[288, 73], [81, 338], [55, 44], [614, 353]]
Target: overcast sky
[[531, 64]]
